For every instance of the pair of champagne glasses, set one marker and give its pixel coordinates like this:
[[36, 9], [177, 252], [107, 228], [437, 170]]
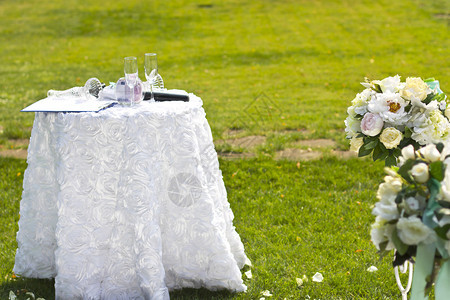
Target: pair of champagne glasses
[[154, 80]]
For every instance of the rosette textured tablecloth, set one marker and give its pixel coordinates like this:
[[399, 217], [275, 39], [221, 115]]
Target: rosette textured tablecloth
[[127, 203]]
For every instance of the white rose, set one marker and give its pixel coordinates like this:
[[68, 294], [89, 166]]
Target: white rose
[[351, 111], [447, 112], [415, 90], [408, 152], [371, 124], [412, 231], [391, 137], [388, 212], [445, 189], [356, 143], [390, 84], [430, 153], [430, 127], [412, 203], [420, 172], [394, 182], [381, 231], [387, 192], [352, 126]]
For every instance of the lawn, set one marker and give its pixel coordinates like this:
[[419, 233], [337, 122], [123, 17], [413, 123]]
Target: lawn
[[306, 58]]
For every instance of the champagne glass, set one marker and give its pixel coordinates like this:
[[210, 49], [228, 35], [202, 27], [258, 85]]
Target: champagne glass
[[131, 74], [154, 80]]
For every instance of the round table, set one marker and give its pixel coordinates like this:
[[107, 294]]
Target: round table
[[127, 203]]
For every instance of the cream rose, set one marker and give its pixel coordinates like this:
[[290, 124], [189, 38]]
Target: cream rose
[[420, 172], [412, 231], [429, 152], [356, 143], [408, 152], [371, 124], [447, 112], [391, 137], [415, 90]]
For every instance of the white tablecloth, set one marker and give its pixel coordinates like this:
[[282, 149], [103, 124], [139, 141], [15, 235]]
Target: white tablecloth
[[127, 203]]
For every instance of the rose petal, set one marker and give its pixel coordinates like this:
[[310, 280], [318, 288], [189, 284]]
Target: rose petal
[[248, 262], [372, 269], [266, 293], [317, 277], [248, 274], [299, 282]]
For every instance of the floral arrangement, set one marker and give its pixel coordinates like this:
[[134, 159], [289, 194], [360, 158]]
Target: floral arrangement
[[389, 115], [414, 206]]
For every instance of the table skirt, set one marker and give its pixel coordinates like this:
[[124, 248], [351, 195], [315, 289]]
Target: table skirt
[[127, 203]]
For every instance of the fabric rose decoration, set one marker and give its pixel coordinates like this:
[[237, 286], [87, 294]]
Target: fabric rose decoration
[[371, 124]]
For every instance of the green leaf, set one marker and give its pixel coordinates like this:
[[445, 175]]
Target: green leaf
[[376, 88], [399, 197], [439, 97], [399, 245], [363, 151], [442, 231], [390, 161], [431, 79], [437, 170], [405, 168], [443, 203], [383, 252], [408, 132], [428, 99], [378, 153], [372, 144]]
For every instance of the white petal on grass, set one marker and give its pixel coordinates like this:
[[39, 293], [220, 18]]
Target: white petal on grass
[[317, 277], [249, 274], [247, 262], [266, 293], [305, 278], [372, 269], [299, 282]]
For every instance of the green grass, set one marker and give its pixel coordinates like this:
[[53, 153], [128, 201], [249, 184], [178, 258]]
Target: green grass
[[301, 60], [307, 56]]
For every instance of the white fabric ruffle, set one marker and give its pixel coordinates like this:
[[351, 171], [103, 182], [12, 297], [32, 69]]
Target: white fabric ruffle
[[127, 203]]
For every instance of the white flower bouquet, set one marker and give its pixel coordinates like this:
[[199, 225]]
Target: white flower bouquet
[[414, 207], [389, 115]]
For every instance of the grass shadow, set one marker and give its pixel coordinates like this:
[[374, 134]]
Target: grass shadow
[[191, 294], [45, 288], [41, 288]]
